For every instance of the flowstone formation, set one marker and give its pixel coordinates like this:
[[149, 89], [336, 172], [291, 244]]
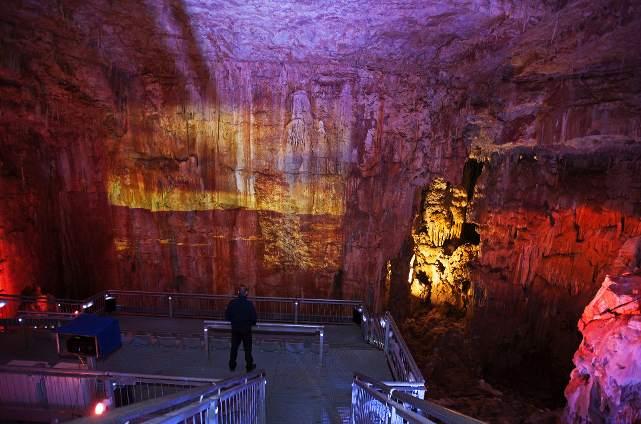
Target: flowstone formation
[[444, 247]]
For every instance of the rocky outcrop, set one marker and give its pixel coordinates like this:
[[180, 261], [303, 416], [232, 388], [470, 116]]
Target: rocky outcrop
[[605, 386]]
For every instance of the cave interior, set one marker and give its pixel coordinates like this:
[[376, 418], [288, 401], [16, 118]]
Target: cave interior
[[474, 167]]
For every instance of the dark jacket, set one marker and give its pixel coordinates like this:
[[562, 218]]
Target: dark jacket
[[241, 313]]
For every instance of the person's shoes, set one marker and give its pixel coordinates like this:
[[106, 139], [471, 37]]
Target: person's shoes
[[232, 367], [251, 367]]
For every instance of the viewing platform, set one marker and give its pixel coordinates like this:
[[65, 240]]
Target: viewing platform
[[303, 380]]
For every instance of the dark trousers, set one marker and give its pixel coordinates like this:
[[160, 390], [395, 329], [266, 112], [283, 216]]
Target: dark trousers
[[236, 337]]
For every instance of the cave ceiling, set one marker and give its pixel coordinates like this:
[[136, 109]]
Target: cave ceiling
[[383, 34]]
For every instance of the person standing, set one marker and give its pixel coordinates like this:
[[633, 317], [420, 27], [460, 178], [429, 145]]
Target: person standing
[[242, 315]]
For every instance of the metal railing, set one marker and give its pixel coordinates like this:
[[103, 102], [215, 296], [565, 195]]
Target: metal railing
[[370, 406], [14, 305], [36, 320], [73, 392], [193, 305], [268, 327], [233, 401], [186, 305], [377, 402], [382, 331]]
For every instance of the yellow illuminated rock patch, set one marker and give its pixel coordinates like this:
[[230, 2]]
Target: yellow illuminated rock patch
[[440, 266]]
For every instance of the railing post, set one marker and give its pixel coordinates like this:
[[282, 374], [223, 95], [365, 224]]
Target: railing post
[[206, 338], [263, 396], [296, 312], [385, 326], [213, 413], [320, 349], [171, 309]]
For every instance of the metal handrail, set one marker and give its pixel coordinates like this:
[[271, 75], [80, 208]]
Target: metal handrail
[[70, 393], [424, 408], [177, 400], [369, 405], [67, 372], [191, 305], [382, 332], [268, 327], [406, 360], [229, 296]]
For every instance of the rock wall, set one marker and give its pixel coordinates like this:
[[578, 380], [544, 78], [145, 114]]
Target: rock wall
[[168, 170], [605, 386], [552, 116]]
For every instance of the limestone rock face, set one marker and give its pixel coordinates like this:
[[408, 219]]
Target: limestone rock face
[[605, 386], [136, 156]]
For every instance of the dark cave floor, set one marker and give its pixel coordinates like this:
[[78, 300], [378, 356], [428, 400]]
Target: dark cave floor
[[443, 350]]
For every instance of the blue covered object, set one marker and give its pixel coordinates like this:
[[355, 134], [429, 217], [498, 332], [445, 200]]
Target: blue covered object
[[105, 330]]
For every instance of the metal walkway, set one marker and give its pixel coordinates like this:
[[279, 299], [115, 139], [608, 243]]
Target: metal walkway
[[317, 366], [298, 391]]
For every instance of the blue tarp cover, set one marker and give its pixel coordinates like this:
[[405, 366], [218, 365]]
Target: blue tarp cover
[[105, 329]]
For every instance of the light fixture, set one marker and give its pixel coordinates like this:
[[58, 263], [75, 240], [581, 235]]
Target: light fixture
[[101, 407], [3, 303], [87, 305]]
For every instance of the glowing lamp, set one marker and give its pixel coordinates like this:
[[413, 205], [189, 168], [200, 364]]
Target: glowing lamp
[[19, 319], [364, 318], [101, 407], [3, 304], [87, 305], [76, 312], [382, 323]]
